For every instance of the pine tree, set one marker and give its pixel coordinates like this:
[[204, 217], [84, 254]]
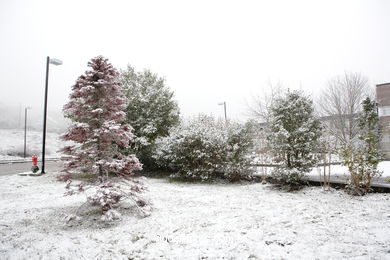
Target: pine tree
[[294, 136], [96, 107], [152, 112]]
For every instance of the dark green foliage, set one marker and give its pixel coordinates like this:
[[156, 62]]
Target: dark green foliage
[[152, 112], [362, 157], [294, 136], [370, 132]]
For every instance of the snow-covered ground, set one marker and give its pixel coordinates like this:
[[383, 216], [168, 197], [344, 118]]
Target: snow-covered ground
[[12, 143], [195, 221]]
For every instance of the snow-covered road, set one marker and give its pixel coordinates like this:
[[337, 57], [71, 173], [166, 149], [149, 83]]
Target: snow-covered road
[[195, 221]]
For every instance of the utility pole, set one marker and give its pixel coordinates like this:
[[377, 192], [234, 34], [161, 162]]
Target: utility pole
[[224, 108], [20, 116], [55, 62], [25, 130]]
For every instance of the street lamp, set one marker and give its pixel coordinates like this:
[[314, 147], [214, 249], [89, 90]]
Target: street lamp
[[224, 107], [25, 130], [54, 62]]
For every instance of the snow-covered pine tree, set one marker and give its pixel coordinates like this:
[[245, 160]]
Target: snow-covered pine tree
[[293, 137], [152, 111], [96, 107]]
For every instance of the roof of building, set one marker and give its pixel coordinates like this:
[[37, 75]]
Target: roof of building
[[383, 84]]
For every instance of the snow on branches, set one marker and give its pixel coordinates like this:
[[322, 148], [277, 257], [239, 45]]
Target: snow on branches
[[294, 136], [96, 107], [363, 156], [152, 110], [203, 148]]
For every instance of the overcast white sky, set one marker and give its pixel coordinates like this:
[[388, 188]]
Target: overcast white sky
[[208, 51]]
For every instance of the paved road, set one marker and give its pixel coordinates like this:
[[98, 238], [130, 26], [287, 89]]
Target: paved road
[[14, 168]]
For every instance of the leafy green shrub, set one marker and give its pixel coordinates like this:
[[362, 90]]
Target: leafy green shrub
[[363, 156], [152, 111], [293, 137]]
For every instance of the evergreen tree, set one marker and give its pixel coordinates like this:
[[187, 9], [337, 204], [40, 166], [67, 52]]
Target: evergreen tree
[[151, 111], [362, 158], [370, 132], [294, 136], [96, 108]]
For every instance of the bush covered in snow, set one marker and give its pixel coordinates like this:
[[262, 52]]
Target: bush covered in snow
[[203, 148], [96, 109], [289, 176], [151, 110], [293, 136]]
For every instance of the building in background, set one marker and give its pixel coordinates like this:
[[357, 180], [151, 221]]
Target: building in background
[[383, 99]]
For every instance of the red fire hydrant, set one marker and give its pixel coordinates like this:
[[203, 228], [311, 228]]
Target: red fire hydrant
[[35, 167], [35, 160]]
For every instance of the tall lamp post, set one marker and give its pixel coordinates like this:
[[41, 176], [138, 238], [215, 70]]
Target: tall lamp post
[[54, 62], [224, 108], [25, 130]]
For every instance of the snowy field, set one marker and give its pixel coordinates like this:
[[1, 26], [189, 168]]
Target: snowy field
[[12, 143], [195, 221]]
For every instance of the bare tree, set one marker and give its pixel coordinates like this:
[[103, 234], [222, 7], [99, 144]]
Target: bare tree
[[340, 103], [261, 105], [259, 109]]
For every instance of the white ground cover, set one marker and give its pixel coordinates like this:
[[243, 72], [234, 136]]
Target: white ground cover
[[194, 221]]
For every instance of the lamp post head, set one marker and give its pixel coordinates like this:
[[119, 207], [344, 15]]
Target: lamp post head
[[222, 103], [55, 61], [28, 107]]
